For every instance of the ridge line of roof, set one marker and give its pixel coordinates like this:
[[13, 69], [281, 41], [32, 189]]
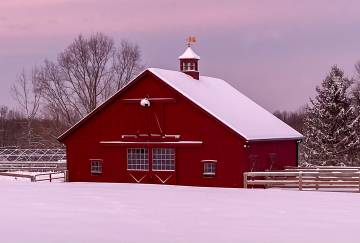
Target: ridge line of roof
[[152, 70], [247, 137]]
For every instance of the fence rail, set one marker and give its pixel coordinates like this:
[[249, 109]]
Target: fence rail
[[51, 176], [305, 179], [31, 177], [40, 177], [323, 168]]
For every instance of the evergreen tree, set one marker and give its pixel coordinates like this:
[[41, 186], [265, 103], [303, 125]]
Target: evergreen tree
[[330, 124]]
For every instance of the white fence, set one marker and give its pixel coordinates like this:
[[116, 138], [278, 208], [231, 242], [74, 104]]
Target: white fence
[[54, 176], [306, 178]]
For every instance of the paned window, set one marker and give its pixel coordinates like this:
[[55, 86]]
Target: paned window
[[209, 167], [163, 159], [138, 159], [96, 166]]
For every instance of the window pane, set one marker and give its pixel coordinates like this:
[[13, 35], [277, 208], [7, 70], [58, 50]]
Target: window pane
[[163, 159], [138, 159]]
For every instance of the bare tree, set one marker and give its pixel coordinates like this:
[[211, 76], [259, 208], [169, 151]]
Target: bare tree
[[85, 67], [126, 63], [27, 95], [85, 74], [60, 101]]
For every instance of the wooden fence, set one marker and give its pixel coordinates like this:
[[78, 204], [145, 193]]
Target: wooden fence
[[51, 176], [310, 178], [40, 177], [323, 168], [15, 175]]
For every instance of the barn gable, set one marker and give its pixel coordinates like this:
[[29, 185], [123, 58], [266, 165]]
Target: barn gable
[[219, 99]]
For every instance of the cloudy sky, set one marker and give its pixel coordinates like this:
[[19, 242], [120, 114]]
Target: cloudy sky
[[275, 51]]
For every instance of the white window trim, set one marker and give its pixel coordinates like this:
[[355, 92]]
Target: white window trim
[[136, 170], [209, 160]]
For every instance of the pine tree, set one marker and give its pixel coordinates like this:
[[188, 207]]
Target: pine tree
[[330, 124]]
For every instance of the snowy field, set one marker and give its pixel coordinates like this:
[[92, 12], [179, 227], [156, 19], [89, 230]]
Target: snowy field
[[125, 213]]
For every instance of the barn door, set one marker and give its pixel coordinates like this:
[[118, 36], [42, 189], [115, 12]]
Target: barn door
[[151, 165], [138, 164], [163, 165]]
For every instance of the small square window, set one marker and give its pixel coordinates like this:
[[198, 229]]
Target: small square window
[[209, 168], [96, 166]]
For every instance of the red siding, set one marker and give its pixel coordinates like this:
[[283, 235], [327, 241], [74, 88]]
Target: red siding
[[180, 117]]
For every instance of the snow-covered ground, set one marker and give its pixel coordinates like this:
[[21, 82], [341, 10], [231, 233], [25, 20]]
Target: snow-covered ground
[[100, 212]]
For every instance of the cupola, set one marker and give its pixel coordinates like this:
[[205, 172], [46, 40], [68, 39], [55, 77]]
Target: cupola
[[189, 60]]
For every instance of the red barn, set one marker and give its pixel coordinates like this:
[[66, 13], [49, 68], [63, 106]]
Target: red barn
[[177, 127]]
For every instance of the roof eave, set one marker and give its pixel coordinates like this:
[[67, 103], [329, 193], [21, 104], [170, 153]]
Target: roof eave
[[189, 58], [275, 139]]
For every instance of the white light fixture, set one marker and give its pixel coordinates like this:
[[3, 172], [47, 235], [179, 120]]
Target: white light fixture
[[145, 102]]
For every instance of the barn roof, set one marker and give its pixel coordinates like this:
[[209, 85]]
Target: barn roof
[[228, 105], [222, 101]]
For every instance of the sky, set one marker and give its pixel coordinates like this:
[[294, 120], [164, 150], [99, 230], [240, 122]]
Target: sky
[[275, 52]]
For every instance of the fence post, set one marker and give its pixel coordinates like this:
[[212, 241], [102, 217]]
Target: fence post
[[33, 178], [245, 180], [66, 176], [300, 181]]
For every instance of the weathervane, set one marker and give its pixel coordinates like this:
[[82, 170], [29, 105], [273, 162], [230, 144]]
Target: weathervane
[[190, 40]]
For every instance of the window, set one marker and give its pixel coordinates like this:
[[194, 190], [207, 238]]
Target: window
[[96, 166], [138, 159], [209, 167], [163, 159]]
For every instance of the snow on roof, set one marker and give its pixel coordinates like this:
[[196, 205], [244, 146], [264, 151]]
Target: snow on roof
[[229, 106], [189, 54]]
